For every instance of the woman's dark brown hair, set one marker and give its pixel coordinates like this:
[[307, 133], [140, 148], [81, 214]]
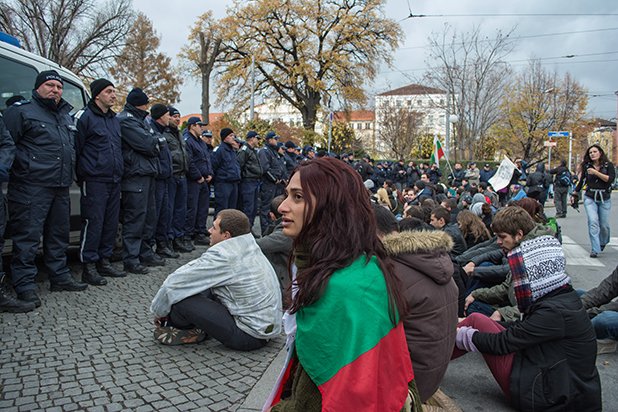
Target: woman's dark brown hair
[[339, 227]]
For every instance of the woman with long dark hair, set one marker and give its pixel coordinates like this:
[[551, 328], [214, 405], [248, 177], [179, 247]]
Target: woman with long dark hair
[[472, 228], [597, 173], [350, 349]]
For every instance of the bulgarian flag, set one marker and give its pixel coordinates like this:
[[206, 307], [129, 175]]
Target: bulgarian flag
[[438, 152], [347, 344]]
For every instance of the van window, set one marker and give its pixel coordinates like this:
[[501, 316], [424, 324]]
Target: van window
[[74, 95], [15, 79]]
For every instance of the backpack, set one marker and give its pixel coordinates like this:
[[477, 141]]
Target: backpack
[[564, 179]]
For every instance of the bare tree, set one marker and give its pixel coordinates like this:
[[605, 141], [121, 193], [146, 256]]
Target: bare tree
[[472, 69], [200, 55], [536, 102], [82, 35], [400, 129]]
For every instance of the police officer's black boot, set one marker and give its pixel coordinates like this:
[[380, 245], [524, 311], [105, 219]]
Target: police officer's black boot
[[9, 304], [186, 240], [180, 246], [201, 239], [105, 268], [164, 250], [91, 276]]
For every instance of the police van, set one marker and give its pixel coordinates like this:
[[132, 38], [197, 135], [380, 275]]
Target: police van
[[18, 71]]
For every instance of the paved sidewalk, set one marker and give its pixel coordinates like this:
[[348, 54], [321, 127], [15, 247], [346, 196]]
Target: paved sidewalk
[[94, 351]]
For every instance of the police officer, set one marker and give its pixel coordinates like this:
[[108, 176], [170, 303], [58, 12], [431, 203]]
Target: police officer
[[177, 189], [290, 157], [251, 175], [199, 177], [273, 173], [38, 193], [7, 153], [159, 121], [140, 150], [226, 172], [99, 172]]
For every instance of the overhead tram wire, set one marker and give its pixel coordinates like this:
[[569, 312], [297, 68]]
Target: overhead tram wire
[[532, 36], [412, 15]]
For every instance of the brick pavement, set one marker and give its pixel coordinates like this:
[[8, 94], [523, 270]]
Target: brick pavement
[[94, 351]]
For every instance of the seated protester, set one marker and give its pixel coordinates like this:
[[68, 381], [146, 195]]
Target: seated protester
[[472, 228], [441, 219], [276, 246], [488, 191], [517, 192], [413, 223], [423, 191], [427, 206], [498, 302], [423, 267], [231, 292], [414, 211], [451, 205], [603, 310], [535, 209], [546, 361]]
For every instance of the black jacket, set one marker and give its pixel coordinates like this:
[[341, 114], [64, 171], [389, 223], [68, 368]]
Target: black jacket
[[459, 243], [7, 152], [250, 167], [98, 146], [198, 157], [225, 165], [596, 185], [273, 166], [165, 155], [555, 352], [176, 144], [44, 136], [140, 145]]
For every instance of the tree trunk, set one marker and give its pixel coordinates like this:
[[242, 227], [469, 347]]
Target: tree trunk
[[205, 96]]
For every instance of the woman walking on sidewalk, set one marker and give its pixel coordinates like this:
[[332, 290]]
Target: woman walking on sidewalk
[[597, 173], [350, 351]]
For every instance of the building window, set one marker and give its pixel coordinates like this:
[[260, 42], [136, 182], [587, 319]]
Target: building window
[[398, 103], [419, 102], [359, 126], [367, 126], [430, 118], [409, 103], [441, 102]]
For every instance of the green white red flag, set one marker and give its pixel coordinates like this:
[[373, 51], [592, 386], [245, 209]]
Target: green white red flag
[[438, 152]]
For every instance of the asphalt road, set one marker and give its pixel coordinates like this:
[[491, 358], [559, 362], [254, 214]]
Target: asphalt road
[[468, 380]]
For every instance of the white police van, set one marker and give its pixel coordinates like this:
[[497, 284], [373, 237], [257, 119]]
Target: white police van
[[18, 71]]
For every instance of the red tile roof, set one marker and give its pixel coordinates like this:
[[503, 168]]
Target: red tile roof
[[355, 116], [412, 89]]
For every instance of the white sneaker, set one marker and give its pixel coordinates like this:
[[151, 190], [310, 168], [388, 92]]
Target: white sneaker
[[606, 346]]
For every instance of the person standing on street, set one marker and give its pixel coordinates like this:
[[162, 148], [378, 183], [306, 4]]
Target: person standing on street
[[598, 173], [198, 185], [251, 175], [177, 190], [273, 169], [226, 172], [140, 150], [562, 184], [7, 153], [98, 155], [38, 193], [159, 121]]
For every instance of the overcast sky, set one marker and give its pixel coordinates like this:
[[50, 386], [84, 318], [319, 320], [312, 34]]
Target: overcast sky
[[589, 31]]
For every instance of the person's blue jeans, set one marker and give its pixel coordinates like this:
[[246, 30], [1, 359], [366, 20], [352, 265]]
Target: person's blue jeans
[[480, 307], [598, 222], [606, 325]]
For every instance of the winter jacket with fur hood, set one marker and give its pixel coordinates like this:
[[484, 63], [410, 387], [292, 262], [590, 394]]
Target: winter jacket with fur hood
[[423, 265]]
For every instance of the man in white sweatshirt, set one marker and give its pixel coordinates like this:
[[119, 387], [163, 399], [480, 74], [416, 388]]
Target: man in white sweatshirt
[[230, 293]]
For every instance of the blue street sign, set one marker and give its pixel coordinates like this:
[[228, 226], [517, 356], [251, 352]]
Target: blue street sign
[[558, 134]]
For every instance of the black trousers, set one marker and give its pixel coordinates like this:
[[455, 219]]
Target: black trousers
[[100, 210], [205, 312], [36, 211], [139, 218]]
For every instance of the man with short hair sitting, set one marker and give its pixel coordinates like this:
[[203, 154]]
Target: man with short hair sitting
[[231, 292]]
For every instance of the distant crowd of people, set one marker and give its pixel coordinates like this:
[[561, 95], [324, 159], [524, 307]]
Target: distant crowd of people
[[379, 273]]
